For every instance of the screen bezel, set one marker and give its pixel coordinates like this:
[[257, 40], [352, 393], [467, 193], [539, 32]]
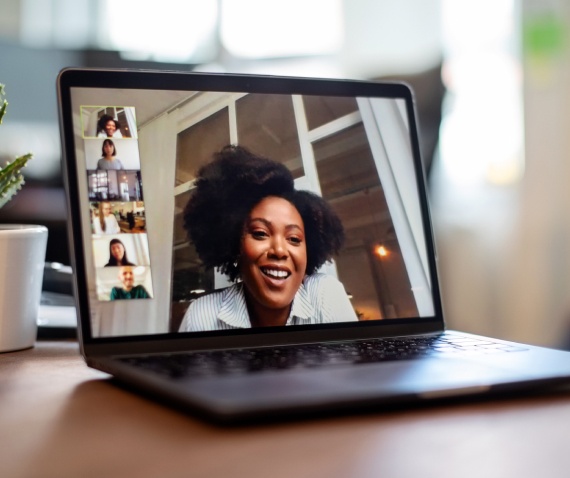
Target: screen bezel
[[149, 80]]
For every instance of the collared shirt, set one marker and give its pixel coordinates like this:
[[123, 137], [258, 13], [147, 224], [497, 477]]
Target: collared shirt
[[320, 299], [137, 292]]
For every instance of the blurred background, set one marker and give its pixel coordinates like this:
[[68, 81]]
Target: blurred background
[[491, 80]]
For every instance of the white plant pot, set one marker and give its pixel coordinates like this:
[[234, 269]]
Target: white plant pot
[[22, 258]]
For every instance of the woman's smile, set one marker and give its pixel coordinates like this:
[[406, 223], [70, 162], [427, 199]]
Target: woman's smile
[[275, 277], [273, 258], [110, 128], [275, 273]]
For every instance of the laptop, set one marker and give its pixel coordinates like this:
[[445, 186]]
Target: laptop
[[255, 247]]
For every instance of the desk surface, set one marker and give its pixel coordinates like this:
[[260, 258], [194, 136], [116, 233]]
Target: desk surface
[[59, 418]]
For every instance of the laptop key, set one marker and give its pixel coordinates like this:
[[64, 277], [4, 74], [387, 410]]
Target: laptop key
[[194, 364]]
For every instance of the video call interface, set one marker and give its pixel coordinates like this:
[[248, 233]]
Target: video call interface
[[334, 235], [116, 203]]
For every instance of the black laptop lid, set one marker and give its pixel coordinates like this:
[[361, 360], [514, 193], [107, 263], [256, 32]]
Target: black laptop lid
[[221, 207]]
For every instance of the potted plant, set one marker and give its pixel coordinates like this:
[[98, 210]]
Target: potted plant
[[22, 257]]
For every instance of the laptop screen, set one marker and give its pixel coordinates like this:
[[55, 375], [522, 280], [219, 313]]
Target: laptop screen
[[217, 211]]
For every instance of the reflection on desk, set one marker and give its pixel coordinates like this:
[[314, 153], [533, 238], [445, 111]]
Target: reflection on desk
[[61, 419]]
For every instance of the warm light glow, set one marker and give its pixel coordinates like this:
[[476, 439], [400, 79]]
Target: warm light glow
[[380, 251]]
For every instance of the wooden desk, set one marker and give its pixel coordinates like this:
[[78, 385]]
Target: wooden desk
[[60, 419]]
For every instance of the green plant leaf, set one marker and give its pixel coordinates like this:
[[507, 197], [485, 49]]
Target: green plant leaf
[[3, 102], [11, 178]]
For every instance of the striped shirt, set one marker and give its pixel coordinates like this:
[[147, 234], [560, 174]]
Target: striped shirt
[[320, 299]]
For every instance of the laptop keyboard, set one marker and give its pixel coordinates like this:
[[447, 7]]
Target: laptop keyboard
[[205, 363]]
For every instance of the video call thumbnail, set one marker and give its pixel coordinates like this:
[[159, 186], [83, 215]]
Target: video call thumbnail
[[116, 154], [124, 283], [116, 217], [108, 122], [114, 185]]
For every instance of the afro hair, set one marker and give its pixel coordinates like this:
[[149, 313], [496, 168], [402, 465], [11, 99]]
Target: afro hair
[[226, 191]]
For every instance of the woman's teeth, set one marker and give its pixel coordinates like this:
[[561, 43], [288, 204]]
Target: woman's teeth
[[276, 274]]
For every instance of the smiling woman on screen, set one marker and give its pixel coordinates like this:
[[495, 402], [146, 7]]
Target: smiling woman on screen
[[246, 219], [108, 127]]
